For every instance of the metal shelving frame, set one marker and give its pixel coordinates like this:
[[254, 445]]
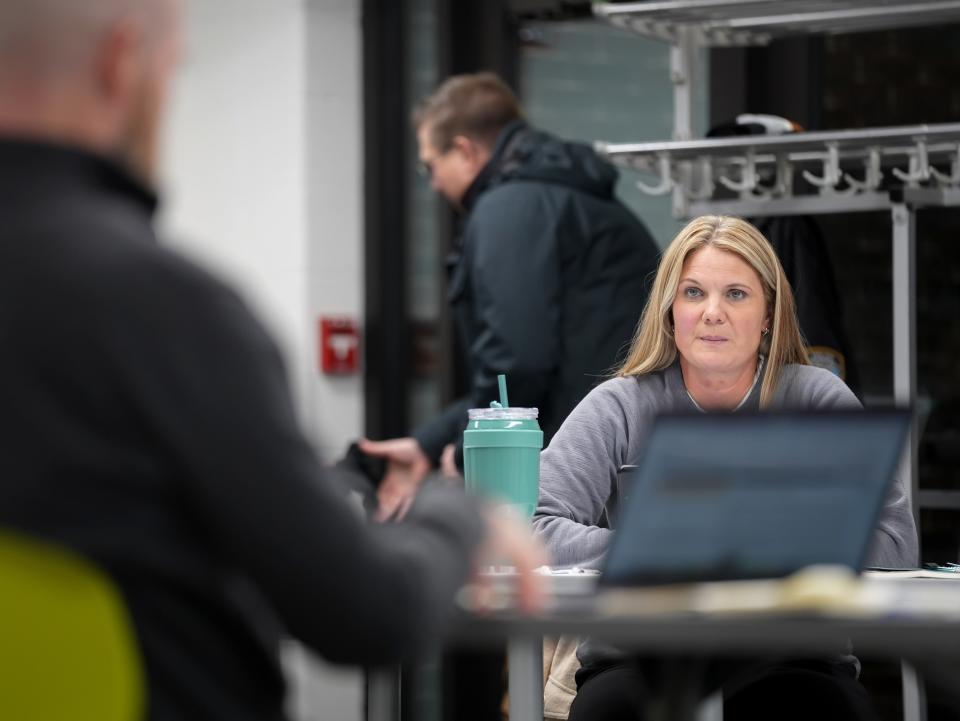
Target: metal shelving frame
[[726, 23], [761, 168], [925, 159], [691, 24]]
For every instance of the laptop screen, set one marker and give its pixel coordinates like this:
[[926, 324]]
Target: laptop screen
[[753, 495]]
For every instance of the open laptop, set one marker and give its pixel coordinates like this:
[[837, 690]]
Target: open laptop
[[753, 495]]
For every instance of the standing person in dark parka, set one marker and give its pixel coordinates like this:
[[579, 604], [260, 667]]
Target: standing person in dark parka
[[548, 278]]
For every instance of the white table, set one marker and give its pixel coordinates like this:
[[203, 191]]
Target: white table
[[916, 620]]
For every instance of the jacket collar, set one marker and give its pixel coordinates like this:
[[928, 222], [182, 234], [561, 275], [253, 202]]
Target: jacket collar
[[506, 141], [35, 165]]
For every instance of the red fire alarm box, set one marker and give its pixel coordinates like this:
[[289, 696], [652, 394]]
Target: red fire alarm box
[[339, 351]]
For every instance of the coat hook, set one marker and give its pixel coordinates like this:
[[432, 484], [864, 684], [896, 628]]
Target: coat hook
[[919, 166], [831, 169], [953, 179], [666, 180], [782, 182], [748, 176], [872, 177]]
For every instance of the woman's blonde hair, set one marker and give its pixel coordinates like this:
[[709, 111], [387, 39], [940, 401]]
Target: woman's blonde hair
[[653, 346]]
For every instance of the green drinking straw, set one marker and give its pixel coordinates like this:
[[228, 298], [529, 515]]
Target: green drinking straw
[[502, 382]]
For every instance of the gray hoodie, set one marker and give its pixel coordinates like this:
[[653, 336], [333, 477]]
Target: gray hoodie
[[578, 471]]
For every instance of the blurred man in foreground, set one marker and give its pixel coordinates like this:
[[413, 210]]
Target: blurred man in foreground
[[146, 415]]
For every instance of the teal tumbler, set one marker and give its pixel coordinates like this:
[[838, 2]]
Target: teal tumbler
[[501, 456]]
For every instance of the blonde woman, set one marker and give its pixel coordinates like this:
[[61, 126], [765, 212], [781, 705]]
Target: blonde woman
[[719, 333]]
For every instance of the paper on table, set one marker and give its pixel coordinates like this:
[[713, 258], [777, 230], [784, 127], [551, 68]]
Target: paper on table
[[821, 590], [948, 573]]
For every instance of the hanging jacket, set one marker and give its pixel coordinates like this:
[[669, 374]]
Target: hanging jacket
[[800, 245]]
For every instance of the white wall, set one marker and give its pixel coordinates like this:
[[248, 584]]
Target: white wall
[[235, 188], [262, 184], [263, 177]]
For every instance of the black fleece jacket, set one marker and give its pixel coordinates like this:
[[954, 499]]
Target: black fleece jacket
[[147, 423]]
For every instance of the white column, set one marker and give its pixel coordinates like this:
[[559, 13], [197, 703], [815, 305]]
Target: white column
[[334, 170], [905, 333]]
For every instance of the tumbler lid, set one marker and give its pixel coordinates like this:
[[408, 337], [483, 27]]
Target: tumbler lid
[[503, 414]]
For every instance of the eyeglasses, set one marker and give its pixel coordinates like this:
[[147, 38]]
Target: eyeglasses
[[425, 167]]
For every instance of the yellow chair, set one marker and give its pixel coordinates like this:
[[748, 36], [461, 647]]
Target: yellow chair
[[67, 649]]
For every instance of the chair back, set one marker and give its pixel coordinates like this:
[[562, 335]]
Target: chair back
[[67, 648]]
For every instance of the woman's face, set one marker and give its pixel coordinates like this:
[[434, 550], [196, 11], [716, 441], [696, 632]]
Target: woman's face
[[719, 312]]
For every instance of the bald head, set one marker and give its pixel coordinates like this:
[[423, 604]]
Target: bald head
[[86, 71], [48, 40]]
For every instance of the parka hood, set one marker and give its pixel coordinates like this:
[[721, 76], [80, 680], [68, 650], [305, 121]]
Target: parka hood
[[523, 153]]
